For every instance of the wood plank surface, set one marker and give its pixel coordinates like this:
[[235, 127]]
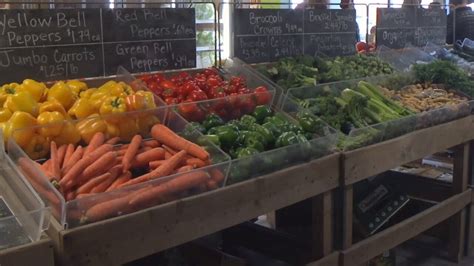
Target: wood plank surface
[[409, 228], [38, 253], [365, 162], [137, 235], [330, 260]]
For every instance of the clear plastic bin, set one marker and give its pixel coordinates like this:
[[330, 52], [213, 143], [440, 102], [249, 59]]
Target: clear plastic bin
[[230, 69], [76, 212], [23, 216], [359, 137], [321, 144]]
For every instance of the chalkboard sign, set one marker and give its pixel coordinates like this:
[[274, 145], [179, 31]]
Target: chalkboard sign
[[58, 44], [330, 32], [149, 39], [265, 35], [398, 27]]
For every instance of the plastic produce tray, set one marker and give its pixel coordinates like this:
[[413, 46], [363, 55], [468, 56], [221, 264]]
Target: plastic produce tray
[[270, 160], [23, 215], [359, 137], [230, 69], [71, 213]]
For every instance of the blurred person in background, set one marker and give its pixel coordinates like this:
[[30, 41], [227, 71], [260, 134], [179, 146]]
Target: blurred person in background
[[314, 4], [411, 4], [460, 21], [434, 5], [349, 4]]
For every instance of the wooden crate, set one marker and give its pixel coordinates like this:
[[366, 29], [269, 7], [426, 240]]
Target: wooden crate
[[129, 237], [38, 253], [368, 161]]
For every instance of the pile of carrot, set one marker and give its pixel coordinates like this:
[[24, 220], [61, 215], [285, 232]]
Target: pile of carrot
[[106, 165]]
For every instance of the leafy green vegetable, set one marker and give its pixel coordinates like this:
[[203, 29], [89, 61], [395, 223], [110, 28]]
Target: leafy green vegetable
[[445, 72]]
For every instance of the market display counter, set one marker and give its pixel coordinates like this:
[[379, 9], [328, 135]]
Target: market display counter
[[129, 237], [36, 253], [365, 162]]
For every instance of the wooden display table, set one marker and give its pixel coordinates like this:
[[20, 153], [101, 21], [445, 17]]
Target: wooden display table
[[38, 253]]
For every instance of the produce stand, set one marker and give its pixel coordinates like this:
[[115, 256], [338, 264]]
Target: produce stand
[[365, 162], [114, 241], [37, 253]]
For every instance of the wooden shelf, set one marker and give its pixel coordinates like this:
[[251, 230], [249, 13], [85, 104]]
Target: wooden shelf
[[38, 253], [368, 161], [143, 233]]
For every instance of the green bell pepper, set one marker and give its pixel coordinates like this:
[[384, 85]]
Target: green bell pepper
[[247, 121], [246, 152], [212, 120], [227, 135], [310, 123], [266, 133], [194, 126], [254, 143], [204, 140], [261, 112]]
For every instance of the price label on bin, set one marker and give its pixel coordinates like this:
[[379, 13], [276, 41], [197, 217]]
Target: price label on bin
[[59, 44]]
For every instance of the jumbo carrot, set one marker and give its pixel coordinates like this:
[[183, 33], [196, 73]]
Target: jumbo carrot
[[106, 209], [180, 183], [211, 184], [40, 185], [101, 165], [217, 176], [68, 180], [152, 143], [120, 180], [113, 141], [168, 137], [67, 155], [185, 168], [131, 152], [75, 157], [55, 170], [168, 149], [142, 159], [61, 154], [104, 184], [141, 150], [83, 195], [163, 170], [96, 141], [155, 164], [168, 155], [196, 163], [89, 185], [70, 195]]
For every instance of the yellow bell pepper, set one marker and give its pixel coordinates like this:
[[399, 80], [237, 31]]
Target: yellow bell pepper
[[77, 86], [140, 100], [35, 88], [82, 108], [25, 122], [63, 93], [52, 123], [113, 106], [7, 90], [113, 88], [22, 101], [128, 128], [146, 122], [112, 130], [37, 147], [98, 97], [69, 134], [52, 105], [5, 114], [149, 99], [87, 93], [91, 125]]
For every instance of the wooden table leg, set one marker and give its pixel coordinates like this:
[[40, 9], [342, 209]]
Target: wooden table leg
[[457, 228], [347, 216], [323, 229]]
